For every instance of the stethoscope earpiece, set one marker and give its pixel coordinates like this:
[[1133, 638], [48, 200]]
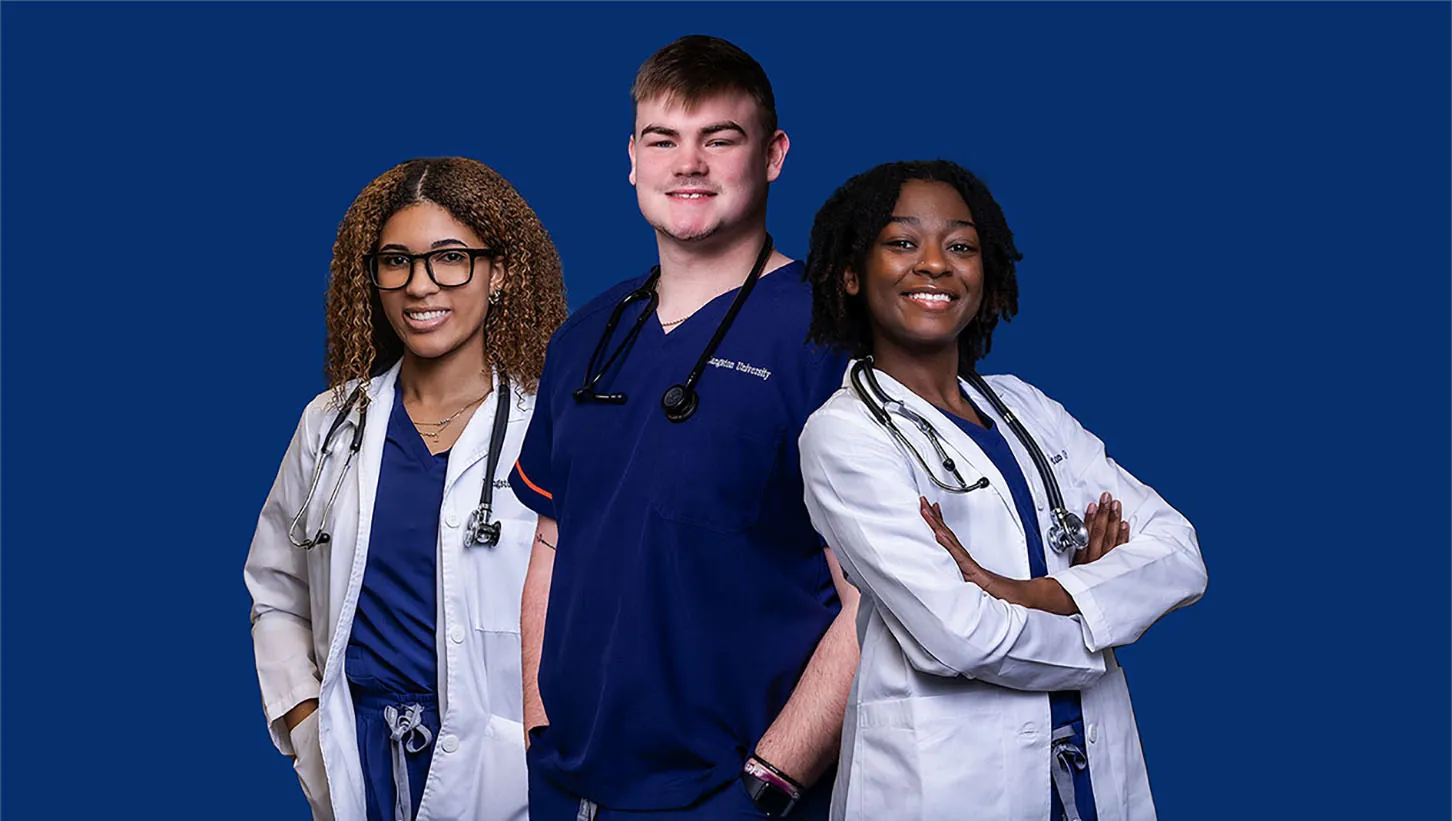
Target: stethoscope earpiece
[[679, 402]]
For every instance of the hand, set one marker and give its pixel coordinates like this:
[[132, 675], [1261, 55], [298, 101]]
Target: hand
[[933, 515], [1038, 594], [1106, 530]]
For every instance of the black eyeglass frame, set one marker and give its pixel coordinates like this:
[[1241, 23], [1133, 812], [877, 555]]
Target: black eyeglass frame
[[370, 262]]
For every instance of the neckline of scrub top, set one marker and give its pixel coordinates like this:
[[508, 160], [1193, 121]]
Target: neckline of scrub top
[[414, 445], [987, 420], [715, 308]]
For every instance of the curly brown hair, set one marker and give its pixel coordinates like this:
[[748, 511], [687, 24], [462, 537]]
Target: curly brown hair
[[531, 302]]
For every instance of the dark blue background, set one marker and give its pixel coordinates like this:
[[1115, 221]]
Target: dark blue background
[[1236, 226]]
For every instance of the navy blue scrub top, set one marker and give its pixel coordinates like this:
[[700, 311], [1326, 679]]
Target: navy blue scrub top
[[1064, 706], [392, 648], [689, 589]]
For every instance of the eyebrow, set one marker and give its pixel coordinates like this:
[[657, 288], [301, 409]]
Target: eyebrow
[[713, 128], [394, 246], [916, 221]]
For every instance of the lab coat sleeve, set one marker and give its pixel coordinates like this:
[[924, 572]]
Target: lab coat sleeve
[[277, 577], [862, 498], [1159, 569]]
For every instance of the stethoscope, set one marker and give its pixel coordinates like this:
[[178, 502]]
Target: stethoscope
[[480, 531], [1067, 532], [680, 400]]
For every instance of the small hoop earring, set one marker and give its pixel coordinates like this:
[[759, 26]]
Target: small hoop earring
[[494, 297]]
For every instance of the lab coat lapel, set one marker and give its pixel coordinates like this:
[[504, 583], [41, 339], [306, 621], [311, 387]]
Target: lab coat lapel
[[370, 457], [1025, 462], [473, 443]]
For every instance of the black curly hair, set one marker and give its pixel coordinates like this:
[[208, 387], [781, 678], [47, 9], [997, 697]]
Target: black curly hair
[[849, 222]]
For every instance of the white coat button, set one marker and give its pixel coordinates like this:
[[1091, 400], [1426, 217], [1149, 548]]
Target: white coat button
[[1093, 733], [452, 520], [449, 743], [456, 634]]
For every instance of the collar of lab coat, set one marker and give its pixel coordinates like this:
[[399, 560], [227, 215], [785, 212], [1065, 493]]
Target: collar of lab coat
[[471, 446], [956, 441]]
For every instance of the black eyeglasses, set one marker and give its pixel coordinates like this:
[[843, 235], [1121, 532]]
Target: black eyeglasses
[[447, 267], [680, 400]]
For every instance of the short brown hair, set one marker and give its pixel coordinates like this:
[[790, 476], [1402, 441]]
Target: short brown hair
[[697, 67], [530, 304]]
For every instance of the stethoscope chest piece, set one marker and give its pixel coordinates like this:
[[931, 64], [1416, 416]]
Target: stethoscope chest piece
[[679, 402], [480, 531], [1068, 532]]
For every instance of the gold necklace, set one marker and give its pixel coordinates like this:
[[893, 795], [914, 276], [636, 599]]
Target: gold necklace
[[439, 426]]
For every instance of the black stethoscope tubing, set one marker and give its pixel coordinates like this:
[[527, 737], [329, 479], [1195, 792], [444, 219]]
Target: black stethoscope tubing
[[481, 529], [1067, 531], [863, 371], [323, 536], [680, 400]]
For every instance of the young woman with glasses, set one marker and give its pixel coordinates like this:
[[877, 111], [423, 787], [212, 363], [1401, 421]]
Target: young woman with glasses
[[388, 560]]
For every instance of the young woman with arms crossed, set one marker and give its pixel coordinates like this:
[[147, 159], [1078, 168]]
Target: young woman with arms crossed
[[988, 686]]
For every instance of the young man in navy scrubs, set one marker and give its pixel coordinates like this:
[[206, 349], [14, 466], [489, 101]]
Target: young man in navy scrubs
[[688, 639]]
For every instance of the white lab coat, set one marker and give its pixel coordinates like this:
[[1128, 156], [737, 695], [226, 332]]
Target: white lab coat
[[947, 718], [304, 602]]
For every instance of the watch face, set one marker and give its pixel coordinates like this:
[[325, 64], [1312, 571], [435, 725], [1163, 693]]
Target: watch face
[[769, 798]]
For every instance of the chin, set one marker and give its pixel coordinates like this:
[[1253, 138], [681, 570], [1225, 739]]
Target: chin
[[688, 233], [430, 349]]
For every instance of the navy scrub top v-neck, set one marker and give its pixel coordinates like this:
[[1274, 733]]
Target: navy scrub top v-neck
[[392, 646], [689, 589]]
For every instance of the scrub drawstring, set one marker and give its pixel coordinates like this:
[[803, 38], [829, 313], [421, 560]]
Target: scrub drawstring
[[407, 736], [588, 810], [1068, 758]]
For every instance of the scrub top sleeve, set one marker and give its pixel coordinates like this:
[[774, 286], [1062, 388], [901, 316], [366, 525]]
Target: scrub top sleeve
[[530, 478], [1158, 570], [863, 498], [276, 575], [828, 369]]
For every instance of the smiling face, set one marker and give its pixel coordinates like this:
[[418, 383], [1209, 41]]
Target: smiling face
[[432, 321], [702, 171], [922, 280]]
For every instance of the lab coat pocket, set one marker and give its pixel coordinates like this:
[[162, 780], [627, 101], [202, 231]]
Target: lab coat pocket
[[506, 779], [714, 475], [504, 674], [885, 779], [308, 763]]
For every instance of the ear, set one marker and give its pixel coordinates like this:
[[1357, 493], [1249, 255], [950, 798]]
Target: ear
[[496, 276], [776, 151], [850, 283], [630, 149]]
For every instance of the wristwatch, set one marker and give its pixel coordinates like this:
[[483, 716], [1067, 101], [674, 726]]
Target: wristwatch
[[769, 798], [768, 790]]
